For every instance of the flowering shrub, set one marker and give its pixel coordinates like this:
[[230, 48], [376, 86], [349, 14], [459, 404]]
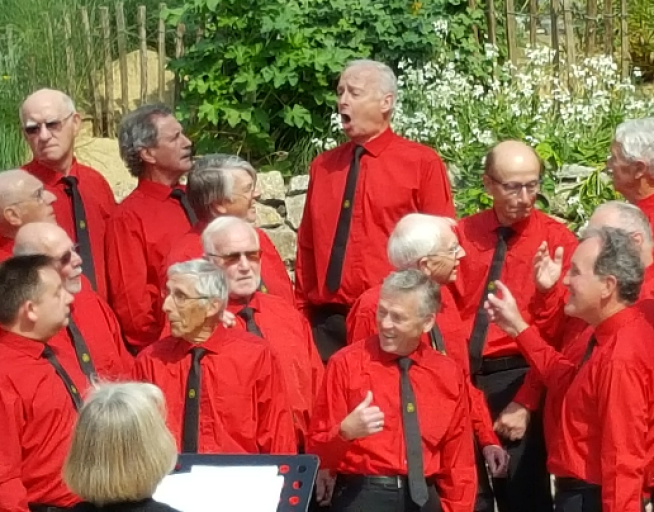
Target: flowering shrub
[[443, 106]]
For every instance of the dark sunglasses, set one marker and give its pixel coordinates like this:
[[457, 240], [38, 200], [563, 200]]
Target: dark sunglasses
[[66, 257], [234, 257], [51, 126]]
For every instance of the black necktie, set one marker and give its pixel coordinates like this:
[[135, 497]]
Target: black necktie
[[178, 193], [247, 314], [412, 438], [191, 427], [335, 267], [480, 326], [81, 228], [436, 339], [68, 382], [81, 350], [592, 343]]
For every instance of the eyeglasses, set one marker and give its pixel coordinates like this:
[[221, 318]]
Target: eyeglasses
[[36, 196], [67, 257], [514, 188], [180, 299], [33, 128], [451, 252], [234, 257]]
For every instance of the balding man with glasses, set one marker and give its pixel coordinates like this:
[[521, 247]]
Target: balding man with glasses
[[501, 243], [84, 202]]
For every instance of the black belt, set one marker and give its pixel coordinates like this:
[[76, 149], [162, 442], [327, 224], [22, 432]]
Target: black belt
[[574, 484], [387, 482], [502, 364], [48, 508]]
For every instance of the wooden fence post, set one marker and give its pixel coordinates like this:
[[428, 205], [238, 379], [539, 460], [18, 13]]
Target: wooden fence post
[[144, 53], [108, 71], [122, 56], [624, 44], [511, 32], [608, 27], [591, 27], [70, 58], [533, 18], [161, 46], [97, 106]]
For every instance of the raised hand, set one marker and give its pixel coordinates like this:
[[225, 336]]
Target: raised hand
[[513, 421], [503, 311], [363, 421], [547, 271]]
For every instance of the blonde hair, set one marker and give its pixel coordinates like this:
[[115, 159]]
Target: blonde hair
[[121, 447]]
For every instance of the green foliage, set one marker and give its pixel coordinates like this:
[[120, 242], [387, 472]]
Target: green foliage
[[261, 80], [641, 36]]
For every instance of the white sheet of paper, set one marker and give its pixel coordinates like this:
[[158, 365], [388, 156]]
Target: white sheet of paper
[[223, 488]]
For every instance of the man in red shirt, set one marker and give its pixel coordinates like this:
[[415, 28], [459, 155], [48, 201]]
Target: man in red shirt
[[227, 185], [599, 405], [392, 418], [50, 125], [224, 388], [232, 244], [23, 199], [39, 394], [631, 163], [357, 193], [501, 243], [430, 244], [92, 338], [145, 224]]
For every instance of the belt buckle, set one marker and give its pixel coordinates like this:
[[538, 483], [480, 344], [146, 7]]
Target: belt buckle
[[400, 483]]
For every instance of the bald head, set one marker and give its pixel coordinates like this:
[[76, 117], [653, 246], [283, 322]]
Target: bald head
[[51, 240], [510, 159], [50, 99], [23, 200]]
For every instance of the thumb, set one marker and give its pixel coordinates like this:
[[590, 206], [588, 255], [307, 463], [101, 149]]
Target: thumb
[[558, 256], [501, 287], [366, 401]]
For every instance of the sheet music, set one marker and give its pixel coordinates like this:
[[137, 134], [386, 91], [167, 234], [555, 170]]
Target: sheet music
[[223, 488]]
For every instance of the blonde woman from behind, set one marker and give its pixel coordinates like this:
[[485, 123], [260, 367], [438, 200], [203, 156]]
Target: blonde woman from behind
[[121, 450]]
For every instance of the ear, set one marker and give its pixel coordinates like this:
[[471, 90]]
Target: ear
[[11, 215], [77, 123], [429, 323], [147, 156], [610, 285], [386, 103], [29, 309], [219, 208], [215, 308], [638, 239], [424, 266], [487, 184]]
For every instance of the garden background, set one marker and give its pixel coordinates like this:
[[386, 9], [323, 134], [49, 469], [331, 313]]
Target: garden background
[[257, 77]]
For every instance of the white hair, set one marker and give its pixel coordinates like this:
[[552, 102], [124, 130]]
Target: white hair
[[414, 281], [220, 225], [66, 101], [387, 80], [630, 218], [210, 280], [415, 236], [636, 139]]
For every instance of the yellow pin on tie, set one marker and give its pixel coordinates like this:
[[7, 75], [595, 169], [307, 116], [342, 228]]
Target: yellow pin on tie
[[73, 390], [191, 393], [82, 224], [346, 204], [264, 289], [410, 407], [85, 358]]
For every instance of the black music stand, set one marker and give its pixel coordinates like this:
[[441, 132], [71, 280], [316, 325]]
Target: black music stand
[[299, 473]]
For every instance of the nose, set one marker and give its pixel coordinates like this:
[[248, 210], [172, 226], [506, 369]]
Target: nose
[[44, 133], [167, 304], [257, 191], [244, 264], [461, 253], [76, 259], [566, 279], [523, 195], [49, 197], [187, 142]]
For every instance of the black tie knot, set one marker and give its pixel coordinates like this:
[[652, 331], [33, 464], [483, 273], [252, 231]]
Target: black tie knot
[[504, 232], [197, 353], [404, 363], [358, 151], [177, 193], [247, 314], [47, 353], [71, 184]]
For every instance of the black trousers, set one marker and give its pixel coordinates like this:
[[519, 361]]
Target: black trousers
[[577, 496], [527, 486], [328, 325], [365, 497]]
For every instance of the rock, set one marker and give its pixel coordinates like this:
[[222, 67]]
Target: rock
[[133, 99], [272, 187], [103, 156], [294, 210], [267, 216], [285, 241], [574, 172], [298, 185]]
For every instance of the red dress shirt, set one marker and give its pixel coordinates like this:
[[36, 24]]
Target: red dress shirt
[[243, 401], [99, 204], [273, 271], [600, 417], [479, 238], [396, 177], [441, 400], [289, 334], [99, 328], [139, 237], [37, 418], [361, 323], [647, 206], [6, 248]]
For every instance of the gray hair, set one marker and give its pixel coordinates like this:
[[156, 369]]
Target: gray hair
[[414, 281], [630, 217], [619, 257], [387, 79], [219, 226], [211, 180], [636, 139], [138, 131], [66, 101], [210, 280], [415, 236]]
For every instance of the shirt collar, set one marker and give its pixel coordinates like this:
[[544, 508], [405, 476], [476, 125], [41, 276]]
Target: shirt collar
[[234, 306], [519, 228], [375, 146], [29, 347], [214, 343], [384, 357], [605, 330], [157, 191], [646, 203], [48, 176]]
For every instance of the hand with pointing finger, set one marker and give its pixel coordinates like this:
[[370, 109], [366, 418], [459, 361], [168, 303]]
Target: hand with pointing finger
[[547, 271], [503, 311], [364, 420]]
